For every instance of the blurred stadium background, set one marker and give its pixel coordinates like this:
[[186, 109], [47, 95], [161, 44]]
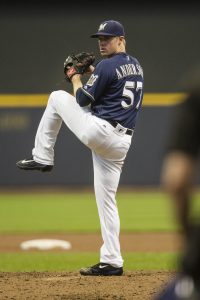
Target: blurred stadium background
[[36, 37], [35, 40]]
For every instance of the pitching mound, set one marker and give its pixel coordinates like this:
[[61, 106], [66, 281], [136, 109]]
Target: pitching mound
[[141, 285]]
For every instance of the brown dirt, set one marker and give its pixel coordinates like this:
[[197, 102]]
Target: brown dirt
[[70, 286], [140, 285], [91, 242]]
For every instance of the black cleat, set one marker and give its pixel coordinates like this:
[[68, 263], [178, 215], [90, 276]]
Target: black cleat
[[30, 164], [102, 269]]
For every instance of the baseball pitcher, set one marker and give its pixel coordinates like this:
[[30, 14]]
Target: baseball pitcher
[[102, 114]]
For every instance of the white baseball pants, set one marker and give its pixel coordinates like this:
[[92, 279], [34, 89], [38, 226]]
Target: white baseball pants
[[109, 147]]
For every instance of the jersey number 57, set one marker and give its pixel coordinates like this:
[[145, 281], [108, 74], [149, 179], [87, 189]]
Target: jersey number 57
[[129, 90]]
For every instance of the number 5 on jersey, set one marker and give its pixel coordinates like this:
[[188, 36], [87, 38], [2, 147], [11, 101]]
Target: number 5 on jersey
[[130, 88]]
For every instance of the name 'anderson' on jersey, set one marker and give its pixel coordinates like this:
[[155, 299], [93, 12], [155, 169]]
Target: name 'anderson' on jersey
[[115, 90]]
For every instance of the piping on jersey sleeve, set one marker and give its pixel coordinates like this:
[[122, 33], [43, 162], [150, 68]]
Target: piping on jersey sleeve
[[83, 98]]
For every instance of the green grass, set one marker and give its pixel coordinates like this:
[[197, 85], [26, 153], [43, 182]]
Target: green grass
[[27, 262], [78, 212]]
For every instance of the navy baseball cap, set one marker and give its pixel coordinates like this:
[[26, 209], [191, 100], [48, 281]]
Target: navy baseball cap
[[110, 28]]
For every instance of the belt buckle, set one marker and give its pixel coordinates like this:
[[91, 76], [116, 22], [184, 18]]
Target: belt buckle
[[120, 130]]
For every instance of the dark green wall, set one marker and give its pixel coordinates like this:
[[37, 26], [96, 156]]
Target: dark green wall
[[73, 161], [36, 39]]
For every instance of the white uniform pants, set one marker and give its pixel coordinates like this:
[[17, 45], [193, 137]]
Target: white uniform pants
[[109, 147]]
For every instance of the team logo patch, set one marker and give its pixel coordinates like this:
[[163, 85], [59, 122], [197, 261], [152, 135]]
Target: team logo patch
[[92, 80], [102, 26]]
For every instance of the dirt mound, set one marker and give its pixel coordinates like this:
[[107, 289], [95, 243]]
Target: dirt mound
[[141, 285]]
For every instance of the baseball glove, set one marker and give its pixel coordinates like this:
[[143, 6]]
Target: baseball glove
[[77, 64]]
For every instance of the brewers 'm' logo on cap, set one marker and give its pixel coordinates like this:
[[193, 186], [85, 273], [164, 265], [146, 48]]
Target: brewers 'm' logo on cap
[[102, 26], [109, 28]]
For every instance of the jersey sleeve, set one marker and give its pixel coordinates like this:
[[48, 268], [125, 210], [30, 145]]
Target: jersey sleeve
[[98, 81], [83, 98]]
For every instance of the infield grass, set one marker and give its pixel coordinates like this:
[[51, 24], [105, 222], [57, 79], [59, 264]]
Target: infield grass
[[77, 212], [29, 262]]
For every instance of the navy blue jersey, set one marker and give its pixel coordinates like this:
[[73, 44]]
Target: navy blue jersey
[[115, 89]]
